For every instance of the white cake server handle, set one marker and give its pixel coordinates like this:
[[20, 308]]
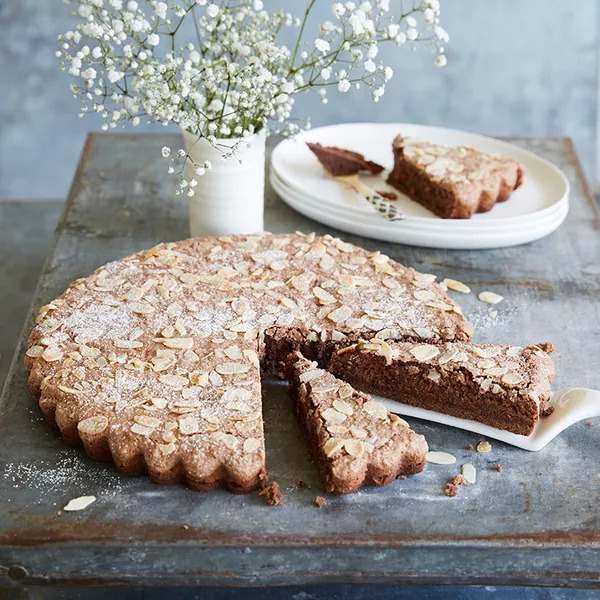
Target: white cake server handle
[[384, 207], [570, 406]]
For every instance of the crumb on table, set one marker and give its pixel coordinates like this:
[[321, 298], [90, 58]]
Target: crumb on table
[[451, 488], [272, 494], [498, 467], [303, 485], [320, 501], [470, 447]]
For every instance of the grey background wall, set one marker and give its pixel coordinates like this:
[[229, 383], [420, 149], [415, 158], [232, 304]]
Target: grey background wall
[[515, 67]]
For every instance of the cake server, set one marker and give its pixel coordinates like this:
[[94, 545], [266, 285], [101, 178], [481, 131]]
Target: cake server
[[570, 406], [384, 207]]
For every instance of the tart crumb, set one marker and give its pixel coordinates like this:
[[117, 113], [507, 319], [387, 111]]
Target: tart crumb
[[320, 501], [387, 195], [451, 489], [469, 447], [303, 485], [498, 467], [272, 494]]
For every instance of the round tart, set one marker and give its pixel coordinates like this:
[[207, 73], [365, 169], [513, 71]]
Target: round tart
[[154, 360]]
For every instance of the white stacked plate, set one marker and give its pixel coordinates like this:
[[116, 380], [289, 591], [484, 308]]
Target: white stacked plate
[[536, 209]]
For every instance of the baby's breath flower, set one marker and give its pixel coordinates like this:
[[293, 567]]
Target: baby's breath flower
[[235, 76]]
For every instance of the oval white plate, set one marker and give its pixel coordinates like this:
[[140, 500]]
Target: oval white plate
[[533, 211]]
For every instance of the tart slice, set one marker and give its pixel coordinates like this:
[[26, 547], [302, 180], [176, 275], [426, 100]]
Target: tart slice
[[503, 386], [355, 441], [454, 182]]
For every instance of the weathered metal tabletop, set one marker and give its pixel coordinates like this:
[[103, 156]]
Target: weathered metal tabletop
[[537, 522]]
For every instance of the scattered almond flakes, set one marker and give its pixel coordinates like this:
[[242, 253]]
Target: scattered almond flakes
[[440, 458], [457, 286], [79, 503], [490, 297], [469, 473], [484, 447]]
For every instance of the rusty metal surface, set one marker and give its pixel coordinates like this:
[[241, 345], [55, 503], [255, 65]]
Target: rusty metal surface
[[537, 522]]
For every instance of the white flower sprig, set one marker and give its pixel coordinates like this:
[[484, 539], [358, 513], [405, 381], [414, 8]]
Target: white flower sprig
[[231, 78]]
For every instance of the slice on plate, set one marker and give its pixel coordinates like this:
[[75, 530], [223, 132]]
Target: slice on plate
[[355, 441], [506, 387], [340, 162], [454, 182]]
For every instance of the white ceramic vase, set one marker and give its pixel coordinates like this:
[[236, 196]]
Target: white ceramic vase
[[229, 197]]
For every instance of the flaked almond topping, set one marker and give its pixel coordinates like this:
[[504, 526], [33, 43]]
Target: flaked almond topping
[[457, 286], [147, 421], [343, 407], [484, 447], [141, 429], [142, 308], [512, 378], [490, 297], [190, 278], [425, 352], [323, 296], [233, 352], [166, 449], [447, 356], [327, 262], [236, 394], [398, 421], [332, 445], [35, 351], [423, 332], [424, 295], [176, 381], [178, 343], [387, 352], [495, 371], [486, 363], [52, 353], [323, 388], [188, 425], [159, 402], [93, 425], [251, 445], [440, 458], [339, 315], [345, 391], [514, 351], [232, 368], [469, 473], [337, 429], [375, 409], [330, 415], [359, 433], [128, 344], [354, 447]]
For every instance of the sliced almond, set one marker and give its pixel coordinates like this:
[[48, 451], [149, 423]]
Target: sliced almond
[[457, 286], [512, 378], [251, 445], [440, 458], [425, 352], [79, 503], [343, 407], [332, 445], [127, 344], [490, 297], [484, 447], [232, 368], [93, 425], [354, 447], [469, 473], [188, 425]]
